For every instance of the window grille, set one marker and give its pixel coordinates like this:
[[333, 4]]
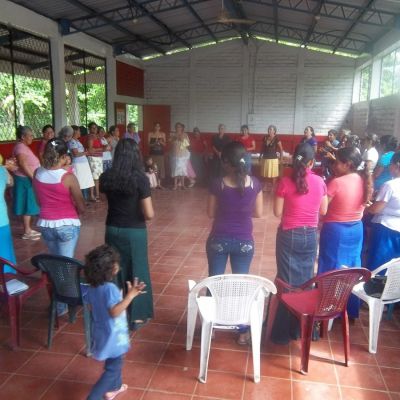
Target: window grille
[[85, 81], [26, 88]]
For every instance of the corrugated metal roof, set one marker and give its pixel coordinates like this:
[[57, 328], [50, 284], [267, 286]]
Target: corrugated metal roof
[[146, 27]]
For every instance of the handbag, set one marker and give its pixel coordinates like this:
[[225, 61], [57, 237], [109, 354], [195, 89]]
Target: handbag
[[375, 286]]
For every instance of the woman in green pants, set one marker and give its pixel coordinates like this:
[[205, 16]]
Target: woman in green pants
[[129, 206]]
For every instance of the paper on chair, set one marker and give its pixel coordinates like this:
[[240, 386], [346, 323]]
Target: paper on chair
[[16, 286]]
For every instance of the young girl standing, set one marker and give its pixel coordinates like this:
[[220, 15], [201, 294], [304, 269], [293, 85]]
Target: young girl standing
[[109, 330]]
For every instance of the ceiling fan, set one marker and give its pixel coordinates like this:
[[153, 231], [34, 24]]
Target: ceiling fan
[[225, 18]]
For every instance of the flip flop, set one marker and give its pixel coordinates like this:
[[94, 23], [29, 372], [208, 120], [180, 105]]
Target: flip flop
[[113, 395]]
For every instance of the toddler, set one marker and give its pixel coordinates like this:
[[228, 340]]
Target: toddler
[[109, 326], [152, 173]]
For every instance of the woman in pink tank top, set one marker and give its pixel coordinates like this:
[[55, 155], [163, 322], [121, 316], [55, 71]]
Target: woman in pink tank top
[[60, 198]]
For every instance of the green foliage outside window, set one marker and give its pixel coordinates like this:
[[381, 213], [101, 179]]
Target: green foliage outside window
[[390, 74], [33, 104], [365, 83], [133, 114]]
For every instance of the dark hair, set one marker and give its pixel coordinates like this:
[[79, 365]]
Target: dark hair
[[389, 143], [83, 130], [99, 265], [311, 129], [100, 128], [272, 127], [44, 129], [233, 154], [333, 132], [243, 127], [303, 154], [54, 150], [127, 166], [352, 156], [75, 127], [395, 159], [130, 125], [353, 141], [374, 139], [22, 131], [112, 129], [90, 124]]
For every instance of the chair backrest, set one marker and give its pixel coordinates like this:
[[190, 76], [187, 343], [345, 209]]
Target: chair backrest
[[64, 275], [234, 295], [392, 285], [3, 287], [335, 288]]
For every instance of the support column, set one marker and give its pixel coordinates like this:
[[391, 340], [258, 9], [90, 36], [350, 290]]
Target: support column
[[58, 71], [111, 87], [245, 85], [298, 123], [192, 92]]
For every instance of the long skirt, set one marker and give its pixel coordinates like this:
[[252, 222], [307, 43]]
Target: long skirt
[[340, 245], [179, 165], [384, 244], [83, 173], [296, 250], [131, 243], [198, 165]]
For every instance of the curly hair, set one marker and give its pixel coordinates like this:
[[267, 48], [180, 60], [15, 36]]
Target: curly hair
[[99, 265]]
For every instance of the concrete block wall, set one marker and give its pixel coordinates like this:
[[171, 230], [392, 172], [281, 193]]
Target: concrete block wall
[[380, 116], [259, 84]]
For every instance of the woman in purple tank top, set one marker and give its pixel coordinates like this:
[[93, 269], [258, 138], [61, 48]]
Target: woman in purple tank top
[[232, 202]]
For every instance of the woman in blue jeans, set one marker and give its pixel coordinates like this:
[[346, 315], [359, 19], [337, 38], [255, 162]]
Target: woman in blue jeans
[[61, 202], [232, 202], [299, 200]]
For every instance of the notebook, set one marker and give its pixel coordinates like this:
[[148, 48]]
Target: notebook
[[15, 286]]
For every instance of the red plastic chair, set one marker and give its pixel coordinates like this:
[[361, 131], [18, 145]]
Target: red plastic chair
[[321, 299], [14, 302]]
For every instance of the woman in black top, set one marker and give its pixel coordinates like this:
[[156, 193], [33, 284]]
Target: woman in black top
[[218, 142], [129, 206]]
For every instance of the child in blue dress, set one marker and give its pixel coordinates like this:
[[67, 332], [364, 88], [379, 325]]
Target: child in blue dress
[[109, 326]]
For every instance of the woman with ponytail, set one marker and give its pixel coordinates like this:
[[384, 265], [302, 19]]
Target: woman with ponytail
[[232, 202], [299, 200], [342, 232]]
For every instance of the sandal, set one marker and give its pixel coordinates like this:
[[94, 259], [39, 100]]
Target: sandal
[[115, 393]]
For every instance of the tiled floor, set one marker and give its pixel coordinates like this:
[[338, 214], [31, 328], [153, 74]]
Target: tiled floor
[[158, 366]]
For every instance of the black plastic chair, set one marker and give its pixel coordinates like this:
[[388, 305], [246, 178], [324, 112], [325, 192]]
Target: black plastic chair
[[64, 274]]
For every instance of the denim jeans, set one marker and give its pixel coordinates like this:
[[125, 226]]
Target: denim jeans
[[109, 381], [239, 251], [296, 250], [61, 241]]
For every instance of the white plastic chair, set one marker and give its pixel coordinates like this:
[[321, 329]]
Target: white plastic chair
[[390, 295], [236, 299]]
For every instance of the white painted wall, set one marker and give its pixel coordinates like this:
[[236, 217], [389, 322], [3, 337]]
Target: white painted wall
[[275, 84]]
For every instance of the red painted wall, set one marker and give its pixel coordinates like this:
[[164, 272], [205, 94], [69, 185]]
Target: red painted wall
[[130, 80]]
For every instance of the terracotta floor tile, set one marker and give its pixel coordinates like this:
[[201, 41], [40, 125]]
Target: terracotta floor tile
[[47, 365], [167, 301], [148, 352], [137, 375], [392, 378], [83, 369], [315, 391], [69, 343], [267, 389], [319, 370], [362, 394], [156, 332], [228, 361], [3, 377], [272, 365], [180, 289], [161, 277], [156, 395], [24, 387], [389, 339], [226, 385], [63, 390], [174, 379], [272, 348], [358, 353], [168, 316], [362, 376], [178, 355], [11, 360], [388, 357]]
